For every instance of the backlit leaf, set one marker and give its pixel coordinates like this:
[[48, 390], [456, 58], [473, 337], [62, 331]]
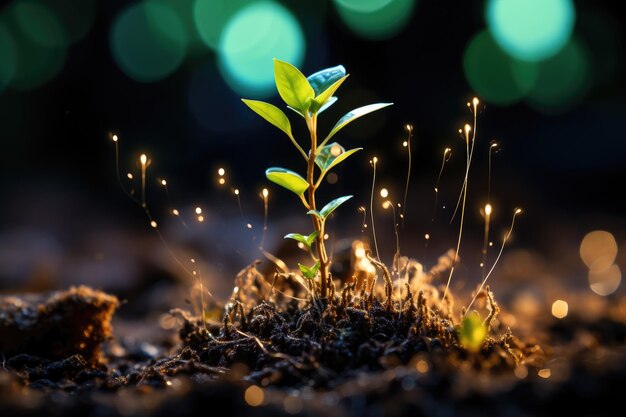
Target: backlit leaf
[[305, 240], [330, 207], [352, 116], [271, 113], [292, 85], [326, 95], [323, 79], [309, 272], [331, 155], [287, 179]]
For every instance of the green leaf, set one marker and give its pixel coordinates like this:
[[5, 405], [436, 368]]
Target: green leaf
[[292, 85], [322, 98], [329, 103], [352, 116], [305, 240], [271, 113], [323, 79], [315, 213], [472, 332], [287, 179], [311, 272], [330, 207], [331, 155]]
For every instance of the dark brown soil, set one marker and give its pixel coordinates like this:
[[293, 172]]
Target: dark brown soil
[[359, 355]]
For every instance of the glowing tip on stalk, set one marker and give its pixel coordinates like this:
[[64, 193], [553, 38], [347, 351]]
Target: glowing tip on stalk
[[130, 176], [494, 145], [236, 191], [468, 128], [143, 159], [265, 193], [384, 193], [221, 172], [518, 211], [386, 204], [405, 143], [114, 138], [426, 236], [198, 210], [488, 209], [374, 160], [475, 101], [221, 181], [154, 224], [409, 128], [163, 183], [175, 212], [200, 219]]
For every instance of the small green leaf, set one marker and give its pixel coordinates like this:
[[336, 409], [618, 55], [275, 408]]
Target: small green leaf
[[352, 116], [330, 207], [292, 85], [311, 272], [329, 103], [271, 113], [311, 238], [331, 155], [326, 95], [287, 179], [315, 213], [472, 332], [305, 240], [323, 79]]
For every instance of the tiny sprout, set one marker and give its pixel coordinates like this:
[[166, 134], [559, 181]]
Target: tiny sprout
[[309, 97], [472, 332]]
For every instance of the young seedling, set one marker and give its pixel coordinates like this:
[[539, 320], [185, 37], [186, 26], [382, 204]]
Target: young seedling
[[309, 97]]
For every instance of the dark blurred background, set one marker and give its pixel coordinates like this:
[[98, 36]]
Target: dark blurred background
[[166, 76]]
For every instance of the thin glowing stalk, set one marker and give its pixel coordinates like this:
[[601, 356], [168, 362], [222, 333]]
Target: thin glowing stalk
[[468, 158], [396, 266], [447, 153], [493, 147], [407, 143], [374, 161], [363, 224], [143, 159], [508, 235], [265, 193], [487, 212], [469, 151]]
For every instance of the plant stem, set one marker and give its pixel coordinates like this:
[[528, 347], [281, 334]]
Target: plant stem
[[318, 226]]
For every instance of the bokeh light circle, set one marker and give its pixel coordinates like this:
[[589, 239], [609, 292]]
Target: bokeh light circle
[[494, 75], [210, 17], [605, 281], [37, 48], [76, 16], [8, 57], [562, 79], [598, 249], [39, 24], [531, 30], [148, 41], [254, 36], [375, 19]]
